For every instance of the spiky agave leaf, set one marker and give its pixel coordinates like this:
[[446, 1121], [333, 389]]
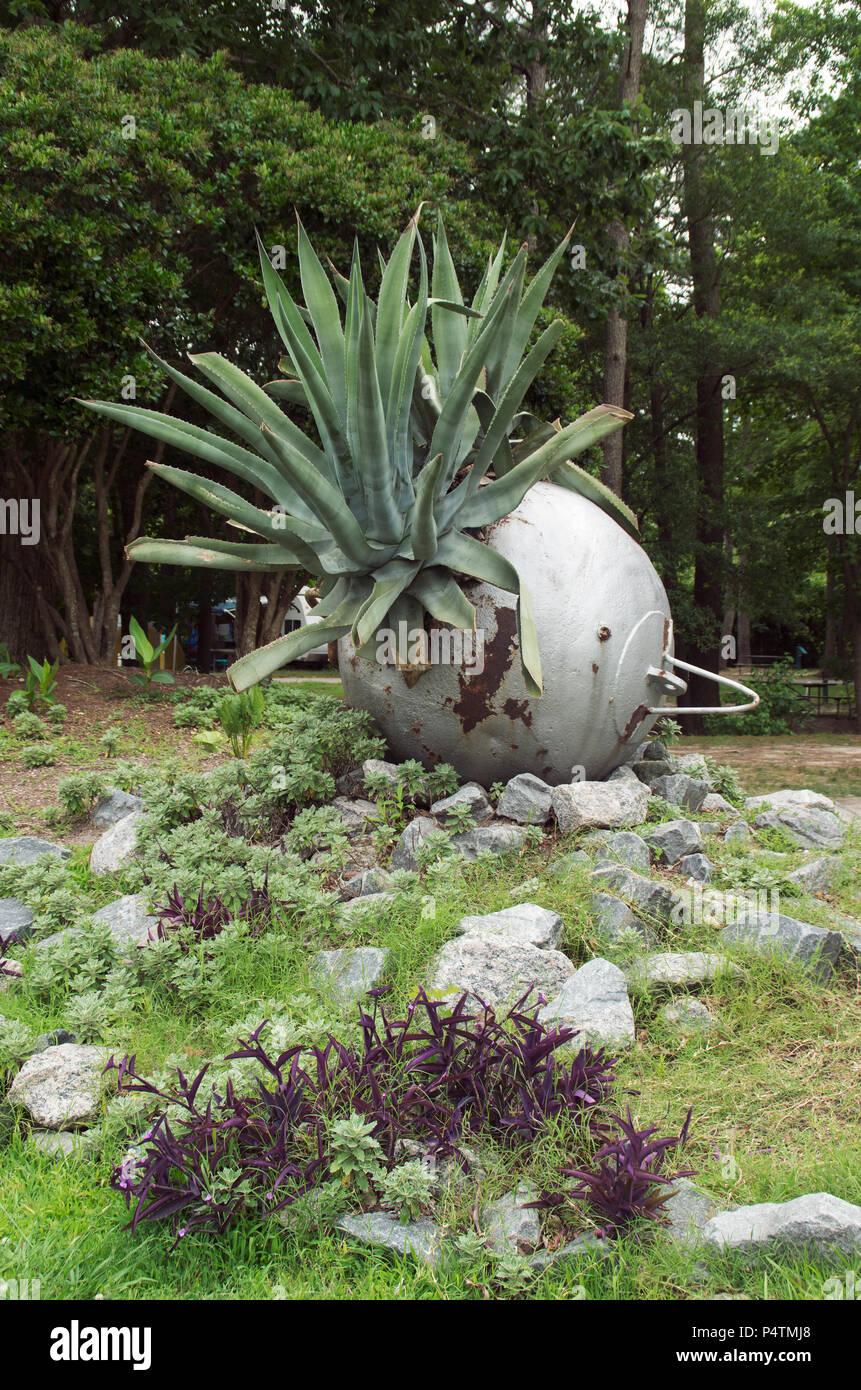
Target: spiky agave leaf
[[412, 454]]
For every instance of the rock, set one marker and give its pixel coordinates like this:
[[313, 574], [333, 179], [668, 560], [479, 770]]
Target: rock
[[652, 896], [791, 801], [695, 766], [594, 1001], [655, 751], [351, 972], [355, 814], [775, 933], [367, 900], [810, 828], [688, 1016], [715, 804], [16, 919], [9, 970], [688, 1210], [526, 923], [47, 943], [698, 867], [737, 834], [577, 1250], [376, 767], [709, 827], [818, 1223], [651, 772], [23, 849], [671, 840], [350, 784], [670, 968], [368, 881], [55, 1039], [526, 799], [625, 847], [570, 863], [113, 806], [507, 1225], [614, 805], [410, 841], [117, 847], [613, 917], [495, 971], [55, 1143], [815, 876], [489, 839], [129, 919], [623, 774], [470, 795], [421, 1239], [61, 1088], [682, 790]]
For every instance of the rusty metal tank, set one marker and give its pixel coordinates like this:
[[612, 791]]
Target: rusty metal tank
[[604, 632]]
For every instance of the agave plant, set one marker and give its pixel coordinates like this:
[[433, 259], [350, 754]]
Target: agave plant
[[416, 451]]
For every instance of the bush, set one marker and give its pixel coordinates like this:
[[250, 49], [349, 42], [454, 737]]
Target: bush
[[79, 792], [28, 725], [781, 710], [39, 755]]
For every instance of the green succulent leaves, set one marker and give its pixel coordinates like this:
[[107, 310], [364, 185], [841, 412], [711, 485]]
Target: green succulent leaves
[[414, 448]]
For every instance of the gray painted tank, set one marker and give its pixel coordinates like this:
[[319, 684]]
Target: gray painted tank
[[603, 623]]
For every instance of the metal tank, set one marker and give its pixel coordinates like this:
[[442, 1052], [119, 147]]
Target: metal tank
[[605, 637]]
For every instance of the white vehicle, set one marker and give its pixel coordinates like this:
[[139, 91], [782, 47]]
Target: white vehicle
[[301, 614]]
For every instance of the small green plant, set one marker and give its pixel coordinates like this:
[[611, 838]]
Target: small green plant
[[39, 755], [670, 730], [726, 780], [208, 738], [29, 725], [459, 818], [148, 655], [110, 741], [239, 714], [356, 1157], [496, 790], [407, 1189], [79, 792], [56, 713], [41, 683], [8, 667], [17, 703]]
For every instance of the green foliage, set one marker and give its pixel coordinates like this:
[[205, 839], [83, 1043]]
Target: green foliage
[[28, 725], [355, 1157], [39, 755], [17, 703], [782, 707], [459, 818], [41, 682], [56, 713], [239, 714], [110, 741], [148, 655], [79, 792], [726, 780], [8, 667], [407, 1189]]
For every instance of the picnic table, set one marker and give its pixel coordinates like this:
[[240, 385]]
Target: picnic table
[[816, 689]]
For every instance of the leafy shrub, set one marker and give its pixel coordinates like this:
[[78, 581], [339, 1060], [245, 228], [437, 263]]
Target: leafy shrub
[[41, 683], [29, 725], [79, 792], [110, 741], [782, 707], [17, 703], [726, 780], [407, 1189], [56, 713], [239, 714], [355, 1155], [206, 918], [39, 755]]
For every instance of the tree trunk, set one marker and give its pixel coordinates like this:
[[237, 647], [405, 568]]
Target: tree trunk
[[708, 565], [616, 332]]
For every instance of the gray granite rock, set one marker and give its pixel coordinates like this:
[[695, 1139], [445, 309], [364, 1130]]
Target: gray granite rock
[[775, 933], [377, 767], [61, 1088], [595, 1001], [410, 841], [567, 864], [817, 1223], [695, 766], [816, 876], [650, 895], [791, 801], [688, 1210], [654, 751], [129, 919], [611, 805], [526, 799], [623, 774], [577, 1251], [472, 796], [351, 972], [113, 806], [671, 840], [495, 971], [16, 919], [420, 1239], [526, 923], [622, 847], [54, 1039], [489, 839], [650, 772], [737, 834], [806, 826], [23, 849], [355, 814], [55, 1143], [688, 1016], [682, 790], [368, 881], [117, 847], [367, 902], [670, 968], [716, 805], [508, 1225], [613, 917], [698, 867]]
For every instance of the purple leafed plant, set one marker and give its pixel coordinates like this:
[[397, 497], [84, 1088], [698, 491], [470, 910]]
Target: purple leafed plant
[[626, 1183], [433, 1077], [209, 916]]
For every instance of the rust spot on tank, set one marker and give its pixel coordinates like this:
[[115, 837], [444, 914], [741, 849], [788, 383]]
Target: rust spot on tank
[[594, 668], [519, 709], [636, 718], [666, 634], [477, 691], [603, 633]]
